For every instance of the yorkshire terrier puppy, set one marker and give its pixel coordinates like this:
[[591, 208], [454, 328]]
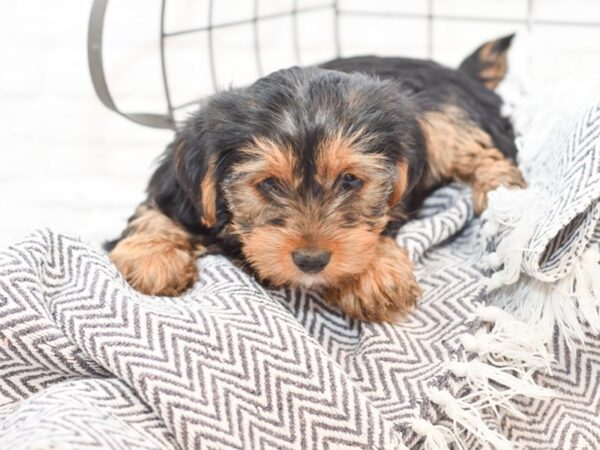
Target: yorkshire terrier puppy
[[305, 176]]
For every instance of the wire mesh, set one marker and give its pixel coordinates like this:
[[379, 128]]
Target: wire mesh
[[169, 119]]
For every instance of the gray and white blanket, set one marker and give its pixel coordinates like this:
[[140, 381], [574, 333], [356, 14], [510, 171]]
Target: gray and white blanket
[[87, 362]]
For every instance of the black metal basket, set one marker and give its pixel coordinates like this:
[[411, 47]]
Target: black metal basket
[[168, 119]]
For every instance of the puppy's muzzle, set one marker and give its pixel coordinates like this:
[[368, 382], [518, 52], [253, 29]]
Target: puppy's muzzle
[[311, 261]]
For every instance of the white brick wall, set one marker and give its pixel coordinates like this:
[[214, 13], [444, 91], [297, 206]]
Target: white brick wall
[[68, 163], [65, 162]]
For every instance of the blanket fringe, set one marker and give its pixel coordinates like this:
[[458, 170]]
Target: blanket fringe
[[437, 437], [515, 213], [541, 302], [510, 342], [565, 304], [508, 354], [508, 383], [513, 344], [468, 416], [511, 348]]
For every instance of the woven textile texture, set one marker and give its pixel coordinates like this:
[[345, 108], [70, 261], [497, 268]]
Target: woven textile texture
[[87, 362]]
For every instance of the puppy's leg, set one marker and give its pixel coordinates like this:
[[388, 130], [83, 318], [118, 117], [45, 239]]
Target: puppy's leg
[[385, 291], [458, 150], [491, 171], [155, 254]]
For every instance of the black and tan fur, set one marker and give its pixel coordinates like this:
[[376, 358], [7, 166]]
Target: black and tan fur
[[305, 176]]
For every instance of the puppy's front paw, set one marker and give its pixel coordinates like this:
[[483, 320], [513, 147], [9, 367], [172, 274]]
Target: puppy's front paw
[[155, 264], [384, 292]]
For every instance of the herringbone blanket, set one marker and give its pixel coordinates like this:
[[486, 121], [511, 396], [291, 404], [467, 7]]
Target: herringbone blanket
[[87, 362]]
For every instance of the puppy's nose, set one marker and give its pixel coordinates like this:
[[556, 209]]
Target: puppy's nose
[[311, 261]]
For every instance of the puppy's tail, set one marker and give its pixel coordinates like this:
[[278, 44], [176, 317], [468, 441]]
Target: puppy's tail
[[488, 64]]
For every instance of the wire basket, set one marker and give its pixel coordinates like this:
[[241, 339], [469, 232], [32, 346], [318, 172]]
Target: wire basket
[[429, 15]]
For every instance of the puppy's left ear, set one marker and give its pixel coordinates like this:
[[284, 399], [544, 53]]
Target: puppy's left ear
[[401, 183], [409, 169]]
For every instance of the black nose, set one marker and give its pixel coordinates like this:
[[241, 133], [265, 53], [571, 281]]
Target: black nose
[[311, 261]]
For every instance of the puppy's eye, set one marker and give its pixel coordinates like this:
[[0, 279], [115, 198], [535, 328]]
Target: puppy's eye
[[270, 186], [350, 182]]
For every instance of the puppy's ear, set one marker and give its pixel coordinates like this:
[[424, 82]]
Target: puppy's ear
[[401, 183], [195, 170], [409, 169], [488, 64], [185, 184]]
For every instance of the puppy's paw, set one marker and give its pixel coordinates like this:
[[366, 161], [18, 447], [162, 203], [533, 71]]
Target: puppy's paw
[[385, 292], [489, 178], [155, 264]]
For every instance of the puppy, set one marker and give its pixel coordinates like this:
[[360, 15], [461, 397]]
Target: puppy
[[305, 176]]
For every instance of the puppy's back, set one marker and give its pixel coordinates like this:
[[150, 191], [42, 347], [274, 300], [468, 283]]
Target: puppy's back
[[436, 87]]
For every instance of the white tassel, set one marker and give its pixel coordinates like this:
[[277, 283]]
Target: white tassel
[[468, 417], [560, 308], [492, 260], [564, 304], [437, 437], [496, 281], [510, 342], [478, 376], [490, 314], [503, 349], [586, 289], [489, 229], [514, 215]]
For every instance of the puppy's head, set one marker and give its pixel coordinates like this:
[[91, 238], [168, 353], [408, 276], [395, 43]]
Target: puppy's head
[[305, 169]]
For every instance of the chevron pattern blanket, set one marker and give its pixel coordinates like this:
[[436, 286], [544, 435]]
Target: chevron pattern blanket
[[500, 354]]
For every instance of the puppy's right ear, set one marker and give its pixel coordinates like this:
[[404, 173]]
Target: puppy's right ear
[[184, 185]]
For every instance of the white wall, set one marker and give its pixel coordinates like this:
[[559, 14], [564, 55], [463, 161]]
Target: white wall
[[68, 163], [65, 161]]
